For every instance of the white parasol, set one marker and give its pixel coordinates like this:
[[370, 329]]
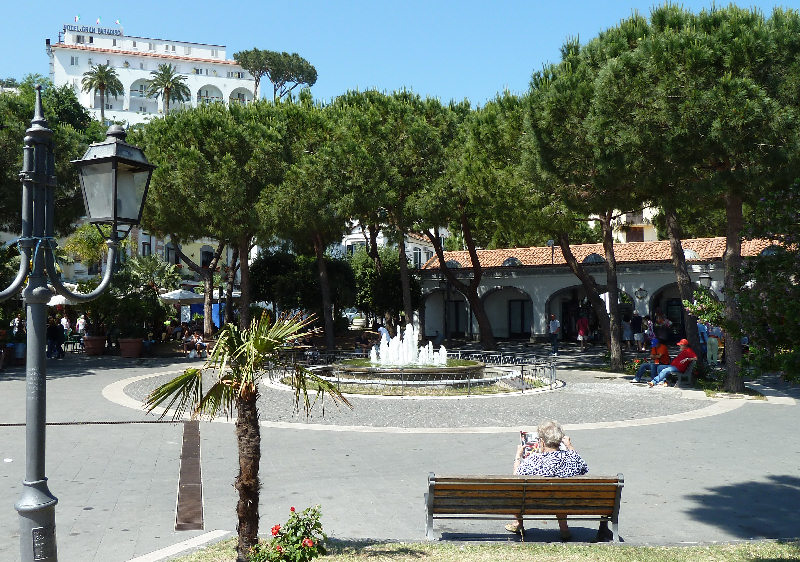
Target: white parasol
[[58, 300], [181, 297]]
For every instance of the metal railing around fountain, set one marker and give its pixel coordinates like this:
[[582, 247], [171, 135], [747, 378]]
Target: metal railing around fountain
[[501, 373]]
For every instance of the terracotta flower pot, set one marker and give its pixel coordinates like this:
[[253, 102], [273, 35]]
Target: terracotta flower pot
[[130, 347], [94, 345]]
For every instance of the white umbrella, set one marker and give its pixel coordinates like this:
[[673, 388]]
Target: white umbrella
[[58, 300], [181, 297]]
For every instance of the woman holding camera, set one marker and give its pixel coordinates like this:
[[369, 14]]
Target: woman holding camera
[[557, 459]]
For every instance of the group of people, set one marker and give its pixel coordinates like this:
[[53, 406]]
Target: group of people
[[660, 365], [193, 343]]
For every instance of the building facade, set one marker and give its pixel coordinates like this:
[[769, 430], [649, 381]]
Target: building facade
[[521, 287], [210, 76]]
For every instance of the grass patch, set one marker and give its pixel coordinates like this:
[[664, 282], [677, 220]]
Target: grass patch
[[340, 551], [714, 388]]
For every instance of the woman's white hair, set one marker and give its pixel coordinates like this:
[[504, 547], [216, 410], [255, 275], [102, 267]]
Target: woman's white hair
[[551, 433]]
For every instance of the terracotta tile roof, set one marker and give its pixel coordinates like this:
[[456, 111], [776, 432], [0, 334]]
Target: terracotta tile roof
[[142, 54], [706, 249]]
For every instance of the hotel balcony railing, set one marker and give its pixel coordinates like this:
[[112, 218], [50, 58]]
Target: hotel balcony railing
[[208, 99]]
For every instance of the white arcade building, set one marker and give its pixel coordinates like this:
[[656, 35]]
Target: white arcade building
[[209, 75]]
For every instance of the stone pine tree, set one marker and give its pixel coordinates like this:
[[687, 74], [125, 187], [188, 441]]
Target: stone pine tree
[[285, 70], [105, 80], [253, 61], [695, 136], [305, 207], [561, 160]]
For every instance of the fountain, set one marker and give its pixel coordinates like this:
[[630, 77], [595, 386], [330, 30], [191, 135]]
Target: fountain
[[402, 351]]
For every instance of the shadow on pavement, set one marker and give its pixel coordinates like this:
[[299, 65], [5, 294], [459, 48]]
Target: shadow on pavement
[[746, 509]]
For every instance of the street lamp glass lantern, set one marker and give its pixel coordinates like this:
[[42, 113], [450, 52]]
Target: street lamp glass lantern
[[114, 177]]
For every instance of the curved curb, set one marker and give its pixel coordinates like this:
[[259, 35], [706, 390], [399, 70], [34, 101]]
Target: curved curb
[[558, 384], [115, 392]]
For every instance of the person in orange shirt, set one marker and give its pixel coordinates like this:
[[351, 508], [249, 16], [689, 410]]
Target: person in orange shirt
[[659, 355]]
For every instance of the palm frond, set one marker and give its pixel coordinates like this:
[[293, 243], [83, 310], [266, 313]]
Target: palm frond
[[180, 394]]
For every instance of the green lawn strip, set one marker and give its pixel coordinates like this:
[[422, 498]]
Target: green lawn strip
[[515, 552]]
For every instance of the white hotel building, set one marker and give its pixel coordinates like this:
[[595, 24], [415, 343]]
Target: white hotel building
[[209, 75]]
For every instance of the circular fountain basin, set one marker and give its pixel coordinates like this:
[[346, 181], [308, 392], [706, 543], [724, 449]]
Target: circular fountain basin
[[455, 369]]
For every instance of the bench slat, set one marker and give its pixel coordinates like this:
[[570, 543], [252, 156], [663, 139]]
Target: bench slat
[[511, 511], [498, 479], [529, 491]]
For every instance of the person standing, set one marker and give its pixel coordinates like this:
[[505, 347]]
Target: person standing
[[714, 336], [15, 325], [636, 328], [555, 333], [583, 330], [702, 335], [627, 331]]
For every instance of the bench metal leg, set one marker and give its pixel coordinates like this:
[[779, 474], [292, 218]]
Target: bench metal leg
[[615, 530], [428, 519], [429, 508]]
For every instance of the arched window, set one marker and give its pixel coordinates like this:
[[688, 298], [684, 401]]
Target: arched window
[[593, 259], [453, 264], [769, 251], [690, 255], [512, 262]]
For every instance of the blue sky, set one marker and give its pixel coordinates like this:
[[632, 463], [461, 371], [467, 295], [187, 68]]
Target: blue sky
[[445, 49]]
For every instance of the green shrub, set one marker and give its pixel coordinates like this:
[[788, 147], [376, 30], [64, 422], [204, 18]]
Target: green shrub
[[300, 539]]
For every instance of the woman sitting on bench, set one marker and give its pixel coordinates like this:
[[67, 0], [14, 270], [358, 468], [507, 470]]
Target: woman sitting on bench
[[555, 457]]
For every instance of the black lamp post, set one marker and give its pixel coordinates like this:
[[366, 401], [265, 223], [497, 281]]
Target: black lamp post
[[114, 178]]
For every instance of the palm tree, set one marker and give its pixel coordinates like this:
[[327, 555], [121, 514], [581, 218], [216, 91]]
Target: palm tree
[[166, 82], [239, 361], [102, 78]]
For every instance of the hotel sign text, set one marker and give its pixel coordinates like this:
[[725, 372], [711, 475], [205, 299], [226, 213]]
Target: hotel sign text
[[90, 29]]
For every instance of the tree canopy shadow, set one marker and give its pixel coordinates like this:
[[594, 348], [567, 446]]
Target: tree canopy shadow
[[752, 510]]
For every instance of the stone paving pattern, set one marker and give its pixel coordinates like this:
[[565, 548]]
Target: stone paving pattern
[[731, 476]]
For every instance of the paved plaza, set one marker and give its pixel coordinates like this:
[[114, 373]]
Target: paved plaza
[[696, 470]]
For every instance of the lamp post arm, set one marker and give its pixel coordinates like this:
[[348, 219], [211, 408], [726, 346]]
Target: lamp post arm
[[24, 269], [53, 276]]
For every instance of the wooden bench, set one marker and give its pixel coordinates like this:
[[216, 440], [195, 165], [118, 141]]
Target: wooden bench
[[687, 374], [595, 498]]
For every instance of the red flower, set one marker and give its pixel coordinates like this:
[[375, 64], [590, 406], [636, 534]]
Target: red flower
[[308, 542], [275, 530], [278, 548], [291, 509]]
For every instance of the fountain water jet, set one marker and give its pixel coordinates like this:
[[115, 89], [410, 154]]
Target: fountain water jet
[[402, 350]]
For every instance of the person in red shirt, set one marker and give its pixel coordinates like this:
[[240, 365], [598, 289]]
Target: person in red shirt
[[659, 355], [679, 364]]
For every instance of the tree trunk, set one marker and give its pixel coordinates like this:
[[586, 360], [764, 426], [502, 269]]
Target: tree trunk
[[232, 266], [325, 288], [257, 83], [732, 261], [589, 285], [102, 106], [248, 438], [207, 276], [405, 283], [372, 246], [615, 325], [245, 299], [685, 287], [470, 291]]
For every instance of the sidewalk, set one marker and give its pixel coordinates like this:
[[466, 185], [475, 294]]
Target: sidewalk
[[687, 478]]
